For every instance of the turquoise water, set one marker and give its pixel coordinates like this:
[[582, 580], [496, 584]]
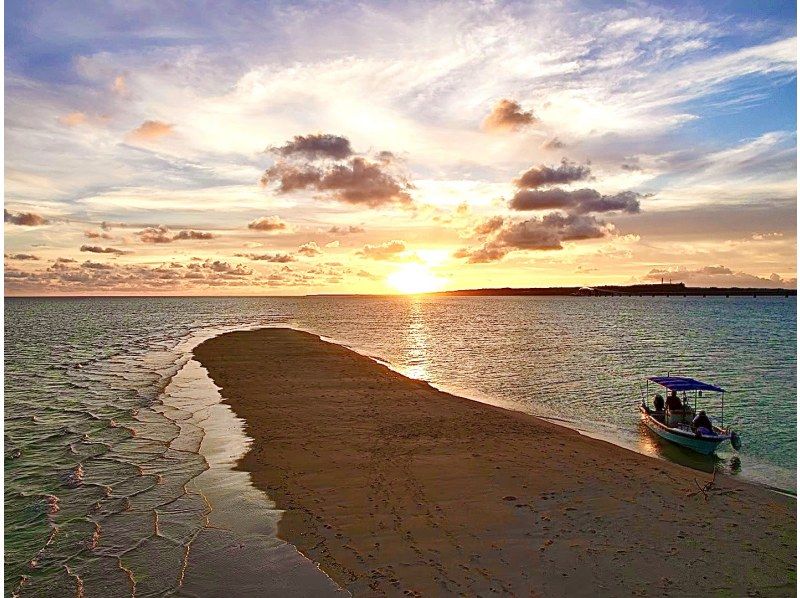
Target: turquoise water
[[93, 459]]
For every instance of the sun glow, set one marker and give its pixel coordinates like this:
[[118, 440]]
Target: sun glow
[[414, 278]]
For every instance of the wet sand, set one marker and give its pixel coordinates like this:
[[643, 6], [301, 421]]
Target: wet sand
[[396, 488]]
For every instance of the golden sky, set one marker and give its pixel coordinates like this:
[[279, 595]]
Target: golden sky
[[396, 147]]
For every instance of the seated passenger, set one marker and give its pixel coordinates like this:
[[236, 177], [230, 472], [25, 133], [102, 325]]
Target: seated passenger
[[673, 402], [658, 402], [702, 424]]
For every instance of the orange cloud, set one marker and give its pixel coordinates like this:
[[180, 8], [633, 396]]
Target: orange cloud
[[508, 115], [73, 119], [120, 85], [150, 130], [267, 224], [310, 249]]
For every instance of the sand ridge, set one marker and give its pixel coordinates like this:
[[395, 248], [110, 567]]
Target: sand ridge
[[396, 488]]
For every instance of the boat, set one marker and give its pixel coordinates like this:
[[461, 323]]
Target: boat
[[672, 419]]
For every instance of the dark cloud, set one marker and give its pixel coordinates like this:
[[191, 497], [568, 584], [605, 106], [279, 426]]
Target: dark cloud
[[390, 250], [543, 176], [508, 115], [364, 182], [21, 256], [631, 164], [357, 181], [342, 176], [24, 218], [292, 177], [365, 274], [98, 249], [314, 147], [278, 258], [580, 201], [267, 224], [553, 144], [536, 234]]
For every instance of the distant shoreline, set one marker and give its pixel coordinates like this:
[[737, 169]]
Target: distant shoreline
[[393, 486], [636, 290]]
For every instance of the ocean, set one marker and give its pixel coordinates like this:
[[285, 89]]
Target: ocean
[[120, 461]]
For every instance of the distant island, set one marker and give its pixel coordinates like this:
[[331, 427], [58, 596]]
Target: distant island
[[639, 290]]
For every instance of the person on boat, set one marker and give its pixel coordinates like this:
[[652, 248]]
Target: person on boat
[[701, 424], [658, 402], [673, 402]]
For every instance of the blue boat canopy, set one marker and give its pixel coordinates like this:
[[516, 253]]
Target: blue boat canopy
[[679, 383]]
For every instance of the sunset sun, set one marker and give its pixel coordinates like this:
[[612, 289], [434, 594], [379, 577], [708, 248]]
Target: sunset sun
[[414, 278]]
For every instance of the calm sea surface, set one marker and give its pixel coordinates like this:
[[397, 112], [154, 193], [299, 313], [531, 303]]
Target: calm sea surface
[[114, 443]]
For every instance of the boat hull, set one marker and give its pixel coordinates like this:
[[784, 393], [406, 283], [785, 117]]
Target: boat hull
[[705, 445]]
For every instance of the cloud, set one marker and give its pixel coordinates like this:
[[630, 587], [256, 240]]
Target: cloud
[[267, 224], [535, 234], [67, 276], [543, 176], [221, 267], [318, 146], [508, 115], [161, 234], [277, 258], [580, 201], [150, 130], [324, 163], [62, 263], [98, 249], [390, 250], [718, 276], [364, 182], [333, 244], [155, 234], [119, 86], [357, 181], [310, 249], [73, 119], [90, 234], [553, 144], [24, 218], [194, 235], [489, 225], [21, 256], [481, 255], [348, 230]]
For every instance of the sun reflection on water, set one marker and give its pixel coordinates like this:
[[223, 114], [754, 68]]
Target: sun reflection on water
[[417, 340]]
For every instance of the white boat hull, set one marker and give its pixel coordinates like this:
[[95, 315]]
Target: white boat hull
[[705, 445]]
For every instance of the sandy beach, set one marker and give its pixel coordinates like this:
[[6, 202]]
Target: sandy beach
[[396, 488]]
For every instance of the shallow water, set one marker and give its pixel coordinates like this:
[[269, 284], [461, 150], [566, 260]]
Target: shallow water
[[118, 456]]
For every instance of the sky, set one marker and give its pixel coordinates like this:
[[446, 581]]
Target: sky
[[279, 148]]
